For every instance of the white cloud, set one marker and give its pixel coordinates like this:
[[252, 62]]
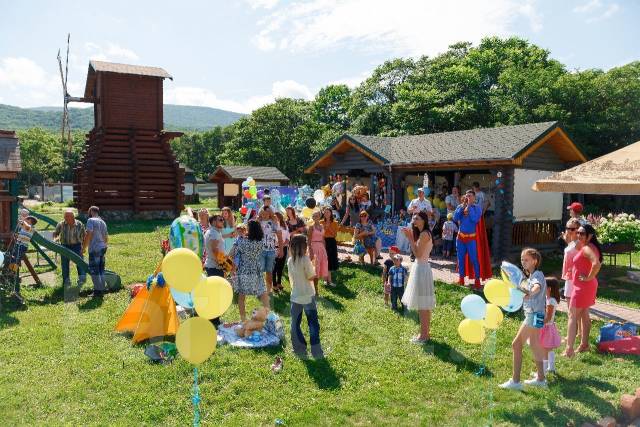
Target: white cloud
[[596, 10], [111, 52], [403, 27], [262, 4], [23, 80], [188, 95]]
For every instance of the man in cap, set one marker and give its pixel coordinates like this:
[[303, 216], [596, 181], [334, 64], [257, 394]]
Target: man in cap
[[575, 211]]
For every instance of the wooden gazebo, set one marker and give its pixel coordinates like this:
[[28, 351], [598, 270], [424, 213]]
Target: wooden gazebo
[[229, 180], [10, 165], [504, 160], [128, 168]]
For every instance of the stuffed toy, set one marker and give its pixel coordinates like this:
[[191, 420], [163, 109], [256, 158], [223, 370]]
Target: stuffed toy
[[256, 323]]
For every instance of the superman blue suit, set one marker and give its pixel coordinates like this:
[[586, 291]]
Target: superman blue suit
[[466, 243]]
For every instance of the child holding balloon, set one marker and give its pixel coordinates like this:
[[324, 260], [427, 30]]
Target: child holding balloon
[[534, 304]]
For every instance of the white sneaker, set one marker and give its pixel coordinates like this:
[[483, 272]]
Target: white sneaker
[[511, 385], [418, 340], [331, 284], [535, 383]]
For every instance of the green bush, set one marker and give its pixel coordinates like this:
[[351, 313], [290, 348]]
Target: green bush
[[621, 228]]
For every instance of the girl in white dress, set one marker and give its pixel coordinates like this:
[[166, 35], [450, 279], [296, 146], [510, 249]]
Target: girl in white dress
[[420, 293]]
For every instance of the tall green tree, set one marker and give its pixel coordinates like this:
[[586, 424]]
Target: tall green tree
[[282, 134], [331, 106], [201, 150]]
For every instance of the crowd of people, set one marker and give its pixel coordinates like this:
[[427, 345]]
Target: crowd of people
[[261, 248]]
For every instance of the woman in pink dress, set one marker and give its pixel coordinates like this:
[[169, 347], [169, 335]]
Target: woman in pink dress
[[586, 265], [317, 250]]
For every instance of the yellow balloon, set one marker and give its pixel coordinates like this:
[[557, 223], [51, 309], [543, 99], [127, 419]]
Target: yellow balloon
[[306, 212], [212, 297], [493, 317], [182, 269], [497, 292], [196, 339], [471, 331]]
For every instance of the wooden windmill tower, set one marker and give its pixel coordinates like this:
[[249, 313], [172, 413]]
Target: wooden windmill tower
[[128, 168]]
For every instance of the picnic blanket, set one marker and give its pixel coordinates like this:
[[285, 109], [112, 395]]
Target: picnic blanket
[[271, 334]]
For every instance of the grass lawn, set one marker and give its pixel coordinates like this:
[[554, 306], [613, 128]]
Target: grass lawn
[[61, 363]]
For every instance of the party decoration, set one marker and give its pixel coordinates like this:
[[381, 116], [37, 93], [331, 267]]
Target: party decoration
[[253, 191], [285, 200], [182, 269], [247, 194], [212, 297], [471, 331], [243, 210], [185, 232], [493, 317], [497, 292], [318, 195], [196, 340], [306, 212], [326, 190], [473, 307], [184, 299], [251, 181], [310, 202], [516, 298], [511, 274], [260, 194]]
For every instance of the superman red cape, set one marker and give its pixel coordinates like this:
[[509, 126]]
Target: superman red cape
[[484, 255]]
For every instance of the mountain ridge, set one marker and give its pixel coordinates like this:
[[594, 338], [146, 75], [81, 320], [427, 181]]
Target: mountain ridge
[[176, 117]]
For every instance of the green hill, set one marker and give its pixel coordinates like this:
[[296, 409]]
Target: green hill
[[176, 117]]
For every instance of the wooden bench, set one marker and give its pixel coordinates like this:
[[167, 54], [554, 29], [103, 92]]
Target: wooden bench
[[612, 250]]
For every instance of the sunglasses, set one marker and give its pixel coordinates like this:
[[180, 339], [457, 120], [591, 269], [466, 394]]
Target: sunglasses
[[582, 233], [571, 229]]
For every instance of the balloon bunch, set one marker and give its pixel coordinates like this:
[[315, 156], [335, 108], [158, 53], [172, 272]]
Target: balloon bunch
[[182, 270], [249, 189], [196, 338], [501, 294]]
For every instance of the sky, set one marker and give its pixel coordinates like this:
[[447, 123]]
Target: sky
[[238, 55]]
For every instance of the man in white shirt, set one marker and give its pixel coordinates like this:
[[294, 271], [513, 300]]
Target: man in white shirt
[[420, 204], [481, 198]]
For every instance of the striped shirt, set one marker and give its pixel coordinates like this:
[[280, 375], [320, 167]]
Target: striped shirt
[[397, 276], [70, 234], [24, 236]]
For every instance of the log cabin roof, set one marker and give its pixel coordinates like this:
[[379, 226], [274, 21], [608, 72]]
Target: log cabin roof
[[113, 67], [482, 146], [258, 173], [9, 152]]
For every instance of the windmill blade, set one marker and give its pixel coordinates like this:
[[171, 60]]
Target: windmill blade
[[66, 65]]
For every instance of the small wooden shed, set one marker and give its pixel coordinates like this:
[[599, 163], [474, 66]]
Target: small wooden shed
[[10, 165], [505, 160], [230, 178], [128, 168]]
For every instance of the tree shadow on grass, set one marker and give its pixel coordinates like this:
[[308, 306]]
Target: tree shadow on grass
[[7, 306], [578, 389], [446, 353], [321, 371]]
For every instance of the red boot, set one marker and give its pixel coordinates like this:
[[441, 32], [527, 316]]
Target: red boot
[[477, 285], [461, 281]]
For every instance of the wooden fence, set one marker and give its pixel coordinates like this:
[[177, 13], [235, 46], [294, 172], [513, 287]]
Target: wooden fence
[[535, 233]]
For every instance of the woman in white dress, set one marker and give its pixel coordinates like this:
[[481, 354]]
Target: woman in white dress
[[420, 293]]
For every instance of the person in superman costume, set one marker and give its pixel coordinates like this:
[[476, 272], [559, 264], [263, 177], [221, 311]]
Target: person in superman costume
[[472, 246]]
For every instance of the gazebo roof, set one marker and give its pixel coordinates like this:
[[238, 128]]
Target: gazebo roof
[[614, 173]]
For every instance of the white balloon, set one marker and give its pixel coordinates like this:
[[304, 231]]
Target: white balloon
[[319, 196]]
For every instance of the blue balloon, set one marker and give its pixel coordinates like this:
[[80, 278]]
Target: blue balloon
[[427, 191], [473, 307], [516, 298], [511, 273], [184, 299]]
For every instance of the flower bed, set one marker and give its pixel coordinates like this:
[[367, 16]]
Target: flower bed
[[619, 229]]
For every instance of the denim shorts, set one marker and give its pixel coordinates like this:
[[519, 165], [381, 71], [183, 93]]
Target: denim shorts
[[534, 320], [268, 260]]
